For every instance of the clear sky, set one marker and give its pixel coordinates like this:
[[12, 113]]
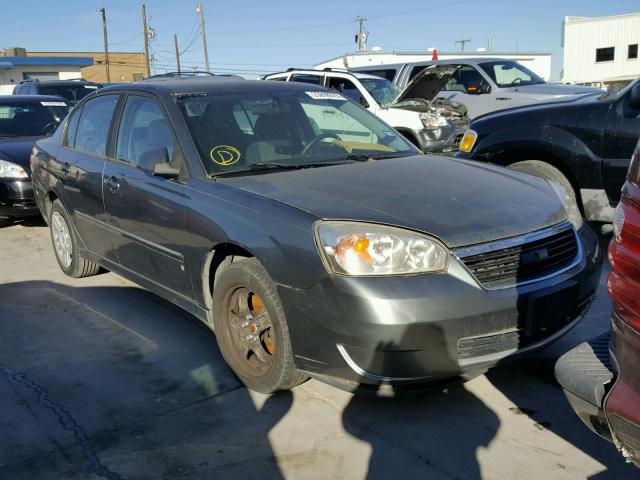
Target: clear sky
[[258, 36]]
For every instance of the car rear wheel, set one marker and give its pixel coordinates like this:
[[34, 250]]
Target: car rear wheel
[[543, 170], [251, 328], [65, 244]]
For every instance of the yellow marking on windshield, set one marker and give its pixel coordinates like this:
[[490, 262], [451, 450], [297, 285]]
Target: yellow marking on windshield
[[225, 155]]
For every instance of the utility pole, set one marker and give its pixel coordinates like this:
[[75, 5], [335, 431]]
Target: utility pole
[[145, 31], [490, 43], [462, 43], [106, 43], [361, 36], [175, 42], [204, 37]]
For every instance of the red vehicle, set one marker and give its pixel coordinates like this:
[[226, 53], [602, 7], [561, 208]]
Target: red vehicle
[[601, 378]]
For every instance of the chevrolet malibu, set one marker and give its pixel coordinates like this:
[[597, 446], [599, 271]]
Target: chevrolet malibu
[[309, 235]]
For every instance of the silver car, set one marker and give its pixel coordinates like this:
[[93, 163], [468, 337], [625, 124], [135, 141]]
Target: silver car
[[484, 85]]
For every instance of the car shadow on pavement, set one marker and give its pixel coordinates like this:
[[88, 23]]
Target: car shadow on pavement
[[114, 382], [433, 432]]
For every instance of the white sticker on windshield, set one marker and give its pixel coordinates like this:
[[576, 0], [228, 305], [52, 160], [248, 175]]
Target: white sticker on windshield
[[325, 96], [93, 87], [53, 104]]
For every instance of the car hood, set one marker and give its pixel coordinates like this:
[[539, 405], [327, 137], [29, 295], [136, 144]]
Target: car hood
[[427, 84], [462, 203], [18, 150], [552, 89]]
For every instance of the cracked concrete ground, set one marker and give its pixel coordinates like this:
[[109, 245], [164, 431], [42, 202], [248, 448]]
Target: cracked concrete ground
[[101, 379]]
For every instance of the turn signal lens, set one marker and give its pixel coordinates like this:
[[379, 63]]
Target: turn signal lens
[[353, 248], [468, 141]]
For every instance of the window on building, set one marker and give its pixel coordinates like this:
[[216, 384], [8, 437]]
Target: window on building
[[633, 51], [605, 54]]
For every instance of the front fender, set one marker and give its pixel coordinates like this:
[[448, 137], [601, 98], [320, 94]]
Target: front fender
[[576, 152]]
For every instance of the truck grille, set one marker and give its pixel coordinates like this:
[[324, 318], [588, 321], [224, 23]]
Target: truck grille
[[525, 262]]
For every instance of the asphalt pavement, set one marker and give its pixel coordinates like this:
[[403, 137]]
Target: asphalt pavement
[[102, 379]]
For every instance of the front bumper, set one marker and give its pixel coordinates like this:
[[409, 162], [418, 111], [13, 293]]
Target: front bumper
[[17, 199], [416, 329]]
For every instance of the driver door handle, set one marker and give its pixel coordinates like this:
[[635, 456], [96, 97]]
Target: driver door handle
[[112, 184]]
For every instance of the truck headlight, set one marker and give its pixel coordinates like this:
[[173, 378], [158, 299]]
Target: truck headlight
[[569, 203], [11, 170], [433, 121], [365, 249]]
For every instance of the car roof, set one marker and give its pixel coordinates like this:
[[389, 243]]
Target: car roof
[[29, 99], [327, 71], [185, 86]]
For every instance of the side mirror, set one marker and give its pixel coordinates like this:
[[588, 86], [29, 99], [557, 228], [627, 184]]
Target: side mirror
[[165, 170], [634, 97], [364, 103], [148, 160]]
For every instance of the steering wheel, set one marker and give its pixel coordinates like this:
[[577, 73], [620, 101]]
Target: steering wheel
[[516, 81], [315, 140]]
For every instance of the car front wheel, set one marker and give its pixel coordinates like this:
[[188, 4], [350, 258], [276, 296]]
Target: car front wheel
[[251, 328], [65, 244]]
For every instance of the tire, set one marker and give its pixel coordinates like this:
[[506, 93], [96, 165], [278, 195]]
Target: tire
[[65, 244], [543, 170], [245, 304], [5, 221]]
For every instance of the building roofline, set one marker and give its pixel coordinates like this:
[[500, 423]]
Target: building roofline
[[576, 19], [40, 52], [424, 52]]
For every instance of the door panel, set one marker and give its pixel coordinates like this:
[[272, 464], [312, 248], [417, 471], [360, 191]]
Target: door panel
[[80, 164], [620, 137], [146, 213]]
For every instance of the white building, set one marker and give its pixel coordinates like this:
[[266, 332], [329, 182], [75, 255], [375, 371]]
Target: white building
[[539, 63], [601, 50]]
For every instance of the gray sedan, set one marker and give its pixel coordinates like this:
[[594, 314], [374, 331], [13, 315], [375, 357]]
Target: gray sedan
[[311, 236]]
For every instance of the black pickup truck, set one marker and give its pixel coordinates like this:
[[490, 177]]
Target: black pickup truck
[[585, 144]]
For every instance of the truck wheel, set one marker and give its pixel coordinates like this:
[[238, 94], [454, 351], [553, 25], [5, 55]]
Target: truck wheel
[[65, 244], [251, 328], [543, 170]]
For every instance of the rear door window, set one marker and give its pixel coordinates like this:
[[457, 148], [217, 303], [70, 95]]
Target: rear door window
[[94, 125], [304, 78], [72, 129]]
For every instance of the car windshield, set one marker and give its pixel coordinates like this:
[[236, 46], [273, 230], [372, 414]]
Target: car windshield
[[72, 93], [31, 119], [383, 91], [510, 74], [288, 128]]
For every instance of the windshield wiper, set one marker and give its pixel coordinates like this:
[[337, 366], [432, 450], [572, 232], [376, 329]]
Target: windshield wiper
[[362, 157], [266, 166]]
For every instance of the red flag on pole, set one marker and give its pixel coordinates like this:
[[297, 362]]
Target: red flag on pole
[[435, 54]]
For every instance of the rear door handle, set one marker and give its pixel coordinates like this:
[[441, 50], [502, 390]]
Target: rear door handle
[[112, 184]]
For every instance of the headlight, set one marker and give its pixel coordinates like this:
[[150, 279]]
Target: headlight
[[569, 203], [432, 121], [11, 170], [468, 141], [364, 249]]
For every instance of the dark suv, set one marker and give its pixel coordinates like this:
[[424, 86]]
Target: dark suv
[[71, 90], [601, 377], [584, 144]]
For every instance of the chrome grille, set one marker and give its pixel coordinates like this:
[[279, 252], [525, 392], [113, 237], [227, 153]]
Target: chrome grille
[[528, 261]]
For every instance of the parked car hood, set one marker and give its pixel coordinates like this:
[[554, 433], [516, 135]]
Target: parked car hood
[[462, 203], [18, 150], [427, 84], [552, 89]]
